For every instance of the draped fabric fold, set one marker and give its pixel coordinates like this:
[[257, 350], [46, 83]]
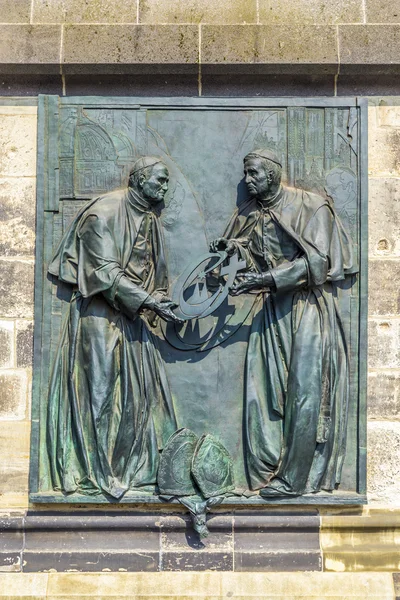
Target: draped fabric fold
[[110, 411]]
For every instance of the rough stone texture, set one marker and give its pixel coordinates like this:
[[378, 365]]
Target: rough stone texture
[[384, 462], [259, 48], [382, 11], [235, 84], [197, 11], [168, 48], [24, 46], [374, 45], [17, 216], [318, 12], [14, 452], [30, 85], [384, 216], [13, 395], [16, 288], [6, 344], [166, 84], [383, 288], [84, 11], [384, 343], [18, 143], [24, 343], [384, 395], [15, 11]]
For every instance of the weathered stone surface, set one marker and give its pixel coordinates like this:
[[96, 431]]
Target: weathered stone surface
[[383, 288], [367, 542], [384, 344], [388, 111], [35, 45], [236, 84], [135, 85], [384, 395], [23, 585], [384, 216], [13, 394], [383, 145], [18, 143], [225, 12], [15, 11], [11, 543], [76, 11], [24, 346], [373, 45], [384, 462], [6, 344], [16, 288], [367, 84], [260, 48], [17, 216], [14, 452], [318, 12], [131, 48], [382, 11]]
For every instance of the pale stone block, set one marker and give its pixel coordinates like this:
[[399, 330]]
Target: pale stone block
[[6, 344], [383, 146], [311, 11], [16, 288], [24, 339], [384, 395], [384, 463], [384, 217], [384, 343], [14, 452], [383, 288], [225, 12], [13, 395], [23, 585], [17, 216], [18, 145], [388, 111]]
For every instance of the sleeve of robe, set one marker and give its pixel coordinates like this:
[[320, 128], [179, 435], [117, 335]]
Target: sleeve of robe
[[100, 269]]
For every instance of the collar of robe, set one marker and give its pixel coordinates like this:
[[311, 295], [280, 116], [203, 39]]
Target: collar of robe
[[270, 202], [140, 203]]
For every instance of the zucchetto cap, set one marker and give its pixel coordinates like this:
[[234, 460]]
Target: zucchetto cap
[[264, 153], [143, 163]]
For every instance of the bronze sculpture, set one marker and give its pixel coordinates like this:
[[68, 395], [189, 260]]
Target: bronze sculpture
[[296, 382], [110, 411]]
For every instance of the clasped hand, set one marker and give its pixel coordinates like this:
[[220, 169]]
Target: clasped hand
[[245, 283], [164, 310]]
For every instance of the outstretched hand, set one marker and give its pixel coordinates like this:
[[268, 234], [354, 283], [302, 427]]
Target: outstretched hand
[[164, 310], [245, 283], [222, 244]]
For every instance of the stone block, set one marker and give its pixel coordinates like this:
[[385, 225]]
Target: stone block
[[374, 45], [317, 12], [14, 452], [384, 216], [388, 111], [76, 11], [383, 150], [382, 11], [11, 543], [134, 85], [236, 84], [384, 463], [16, 288], [366, 84], [30, 48], [17, 216], [384, 344], [24, 343], [383, 288], [225, 12], [6, 344], [367, 542], [17, 148], [13, 395], [29, 586], [130, 48], [15, 11], [268, 48], [384, 395]]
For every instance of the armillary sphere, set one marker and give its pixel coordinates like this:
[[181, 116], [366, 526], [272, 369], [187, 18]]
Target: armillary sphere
[[205, 284]]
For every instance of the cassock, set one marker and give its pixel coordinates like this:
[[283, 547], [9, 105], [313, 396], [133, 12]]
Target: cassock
[[109, 407], [297, 372]]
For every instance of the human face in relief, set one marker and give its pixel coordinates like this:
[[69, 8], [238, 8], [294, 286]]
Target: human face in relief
[[256, 178], [155, 187]]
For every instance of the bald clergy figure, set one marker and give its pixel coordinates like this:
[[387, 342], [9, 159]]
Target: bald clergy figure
[[297, 372], [109, 409]]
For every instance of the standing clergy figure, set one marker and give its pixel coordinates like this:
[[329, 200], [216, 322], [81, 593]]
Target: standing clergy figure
[[109, 409], [297, 376]]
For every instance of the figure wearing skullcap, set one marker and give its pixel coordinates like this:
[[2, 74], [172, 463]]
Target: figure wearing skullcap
[[110, 410]]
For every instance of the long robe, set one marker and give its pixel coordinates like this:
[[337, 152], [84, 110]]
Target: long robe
[[109, 407], [297, 374]]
